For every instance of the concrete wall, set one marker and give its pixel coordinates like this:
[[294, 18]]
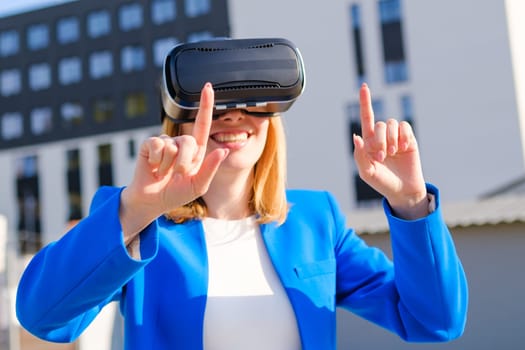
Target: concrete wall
[[493, 260]]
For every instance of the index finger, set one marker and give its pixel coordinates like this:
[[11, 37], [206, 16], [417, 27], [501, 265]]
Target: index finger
[[201, 130], [367, 113]]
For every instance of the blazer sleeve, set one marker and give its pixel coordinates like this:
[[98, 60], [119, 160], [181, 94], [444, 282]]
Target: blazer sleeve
[[67, 283], [422, 295]]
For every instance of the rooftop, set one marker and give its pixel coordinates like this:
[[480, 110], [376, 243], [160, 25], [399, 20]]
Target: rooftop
[[499, 209]]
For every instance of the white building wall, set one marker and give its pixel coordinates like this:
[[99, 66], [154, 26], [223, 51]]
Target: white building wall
[[318, 151], [461, 80], [464, 97], [516, 28]]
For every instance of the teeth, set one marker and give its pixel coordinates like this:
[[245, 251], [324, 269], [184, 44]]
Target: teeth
[[230, 137]]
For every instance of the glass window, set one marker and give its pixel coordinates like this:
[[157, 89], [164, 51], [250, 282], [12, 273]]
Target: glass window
[[105, 165], [163, 11], [389, 11], [132, 58], [10, 82], [28, 194], [74, 187], [72, 113], [130, 17], [12, 126], [69, 70], [161, 47], [103, 110], [37, 37], [41, 120], [407, 110], [9, 43], [39, 76], [396, 68], [98, 23], [195, 8], [199, 36], [100, 64], [406, 107], [396, 72], [355, 14], [68, 30], [136, 105]]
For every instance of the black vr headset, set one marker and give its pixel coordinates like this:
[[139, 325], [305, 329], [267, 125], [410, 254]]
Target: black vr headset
[[263, 77]]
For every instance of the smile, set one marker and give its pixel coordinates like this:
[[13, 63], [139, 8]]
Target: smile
[[230, 137]]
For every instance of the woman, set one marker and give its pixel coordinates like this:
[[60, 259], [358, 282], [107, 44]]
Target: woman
[[206, 249]]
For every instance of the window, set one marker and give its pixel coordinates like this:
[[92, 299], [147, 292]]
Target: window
[[199, 36], [163, 11], [100, 64], [355, 13], [10, 82], [9, 43], [407, 109], [136, 105], [105, 168], [41, 120], [130, 17], [132, 149], [132, 58], [396, 69], [28, 198], [364, 194], [72, 114], [74, 188], [12, 126], [37, 37], [39, 76], [103, 110], [161, 48], [68, 30], [98, 24], [69, 70], [195, 8]]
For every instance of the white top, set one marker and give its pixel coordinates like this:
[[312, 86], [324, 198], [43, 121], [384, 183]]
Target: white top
[[247, 306]]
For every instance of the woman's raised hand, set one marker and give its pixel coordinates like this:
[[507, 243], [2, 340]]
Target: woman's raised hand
[[171, 171], [387, 158]]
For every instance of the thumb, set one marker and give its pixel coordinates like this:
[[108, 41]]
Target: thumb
[[209, 166]]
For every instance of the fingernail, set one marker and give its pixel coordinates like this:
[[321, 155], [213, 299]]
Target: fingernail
[[391, 150]]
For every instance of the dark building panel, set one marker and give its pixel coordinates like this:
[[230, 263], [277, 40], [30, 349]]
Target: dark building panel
[[115, 85]]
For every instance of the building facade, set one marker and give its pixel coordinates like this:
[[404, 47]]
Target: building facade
[[79, 89]]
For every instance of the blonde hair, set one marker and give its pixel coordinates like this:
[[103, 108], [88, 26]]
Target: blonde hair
[[268, 198]]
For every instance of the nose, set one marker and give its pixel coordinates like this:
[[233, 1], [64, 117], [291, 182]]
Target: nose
[[232, 115]]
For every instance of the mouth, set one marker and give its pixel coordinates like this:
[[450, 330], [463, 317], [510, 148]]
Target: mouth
[[230, 137]]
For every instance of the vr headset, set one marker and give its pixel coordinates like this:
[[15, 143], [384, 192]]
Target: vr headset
[[263, 77]]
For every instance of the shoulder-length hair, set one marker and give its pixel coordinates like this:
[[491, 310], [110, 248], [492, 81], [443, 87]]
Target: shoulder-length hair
[[268, 198]]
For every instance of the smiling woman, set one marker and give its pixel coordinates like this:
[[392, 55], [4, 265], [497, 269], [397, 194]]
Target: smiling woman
[[206, 248]]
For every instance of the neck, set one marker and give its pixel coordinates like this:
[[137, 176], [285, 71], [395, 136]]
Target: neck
[[228, 196]]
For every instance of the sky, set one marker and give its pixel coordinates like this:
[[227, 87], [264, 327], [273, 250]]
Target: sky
[[9, 7]]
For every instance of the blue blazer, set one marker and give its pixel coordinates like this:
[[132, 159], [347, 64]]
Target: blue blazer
[[322, 265]]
